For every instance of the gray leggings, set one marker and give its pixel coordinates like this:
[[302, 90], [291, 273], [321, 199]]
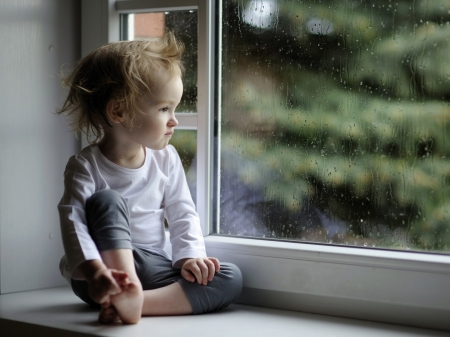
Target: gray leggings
[[108, 221]]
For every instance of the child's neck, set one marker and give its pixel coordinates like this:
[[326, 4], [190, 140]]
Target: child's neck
[[124, 155]]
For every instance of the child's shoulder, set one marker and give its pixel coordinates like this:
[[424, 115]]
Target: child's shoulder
[[84, 158], [90, 151]]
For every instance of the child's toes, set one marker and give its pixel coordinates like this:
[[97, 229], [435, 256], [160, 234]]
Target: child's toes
[[108, 315]]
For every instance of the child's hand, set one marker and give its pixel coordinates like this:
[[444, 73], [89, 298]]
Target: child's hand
[[105, 283], [200, 269]]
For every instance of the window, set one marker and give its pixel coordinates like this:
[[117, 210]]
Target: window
[[374, 284], [335, 122]]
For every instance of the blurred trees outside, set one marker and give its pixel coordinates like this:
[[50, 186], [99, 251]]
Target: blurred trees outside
[[341, 106]]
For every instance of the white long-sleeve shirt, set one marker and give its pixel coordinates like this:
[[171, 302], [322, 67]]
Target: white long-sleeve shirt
[[155, 191]]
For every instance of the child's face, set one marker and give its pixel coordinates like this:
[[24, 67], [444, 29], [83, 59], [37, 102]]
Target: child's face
[[154, 127]]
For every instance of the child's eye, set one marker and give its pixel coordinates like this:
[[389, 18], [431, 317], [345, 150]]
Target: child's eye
[[165, 109]]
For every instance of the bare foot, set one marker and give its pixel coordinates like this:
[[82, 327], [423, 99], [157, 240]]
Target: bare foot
[[108, 314], [128, 304]]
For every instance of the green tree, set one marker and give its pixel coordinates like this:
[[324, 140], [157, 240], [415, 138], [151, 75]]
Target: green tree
[[343, 105]]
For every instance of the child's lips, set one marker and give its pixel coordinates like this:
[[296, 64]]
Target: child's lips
[[169, 133]]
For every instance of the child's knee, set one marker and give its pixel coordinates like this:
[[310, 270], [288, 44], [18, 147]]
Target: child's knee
[[107, 216], [104, 198], [234, 280], [106, 203]]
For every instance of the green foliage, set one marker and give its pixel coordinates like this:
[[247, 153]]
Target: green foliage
[[355, 119], [185, 141]]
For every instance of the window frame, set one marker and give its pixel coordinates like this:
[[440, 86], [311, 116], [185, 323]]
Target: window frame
[[398, 287]]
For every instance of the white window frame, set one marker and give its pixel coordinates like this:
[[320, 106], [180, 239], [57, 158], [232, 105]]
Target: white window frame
[[380, 285]]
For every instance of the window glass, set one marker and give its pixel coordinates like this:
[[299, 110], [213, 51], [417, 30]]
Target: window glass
[[335, 122], [184, 25], [185, 141]]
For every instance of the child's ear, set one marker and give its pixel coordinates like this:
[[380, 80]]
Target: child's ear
[[114, 111]]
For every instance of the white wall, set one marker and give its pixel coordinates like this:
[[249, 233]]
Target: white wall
[[36, 38]]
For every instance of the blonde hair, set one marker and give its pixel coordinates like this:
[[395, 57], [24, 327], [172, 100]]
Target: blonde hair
[[122, 70]]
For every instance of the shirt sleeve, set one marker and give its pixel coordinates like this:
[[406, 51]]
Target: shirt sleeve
[[184, 224], [78, 186]]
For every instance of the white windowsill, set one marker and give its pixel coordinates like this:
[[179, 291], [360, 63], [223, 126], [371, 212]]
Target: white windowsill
[[378, 285], [332, 253], [57, 312]]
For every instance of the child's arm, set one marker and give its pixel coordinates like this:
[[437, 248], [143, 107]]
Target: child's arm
[[184, 224], [79, 184], [103, 282], [200, 269]]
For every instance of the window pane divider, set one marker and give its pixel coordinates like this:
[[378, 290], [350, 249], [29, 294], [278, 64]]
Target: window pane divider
[[205, 105], [139, 6], [186, 120]]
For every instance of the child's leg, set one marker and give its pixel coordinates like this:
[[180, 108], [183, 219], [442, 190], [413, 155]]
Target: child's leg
[[107, 217], [132, 303], [218, 293], [174, 295], [166, 291], [128, 303], [163, 295], [184, 297], [168, 300]]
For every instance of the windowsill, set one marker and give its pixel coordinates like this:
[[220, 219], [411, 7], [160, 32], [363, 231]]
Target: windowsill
[[332, 253], [56, 312], [366, 284]]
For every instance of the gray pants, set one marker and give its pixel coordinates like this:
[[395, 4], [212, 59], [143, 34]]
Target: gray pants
[[108, 221]]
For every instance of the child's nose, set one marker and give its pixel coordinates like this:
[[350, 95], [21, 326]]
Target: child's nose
[[173, 121]]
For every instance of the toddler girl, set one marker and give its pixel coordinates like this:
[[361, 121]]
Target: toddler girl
[[119, 190]]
